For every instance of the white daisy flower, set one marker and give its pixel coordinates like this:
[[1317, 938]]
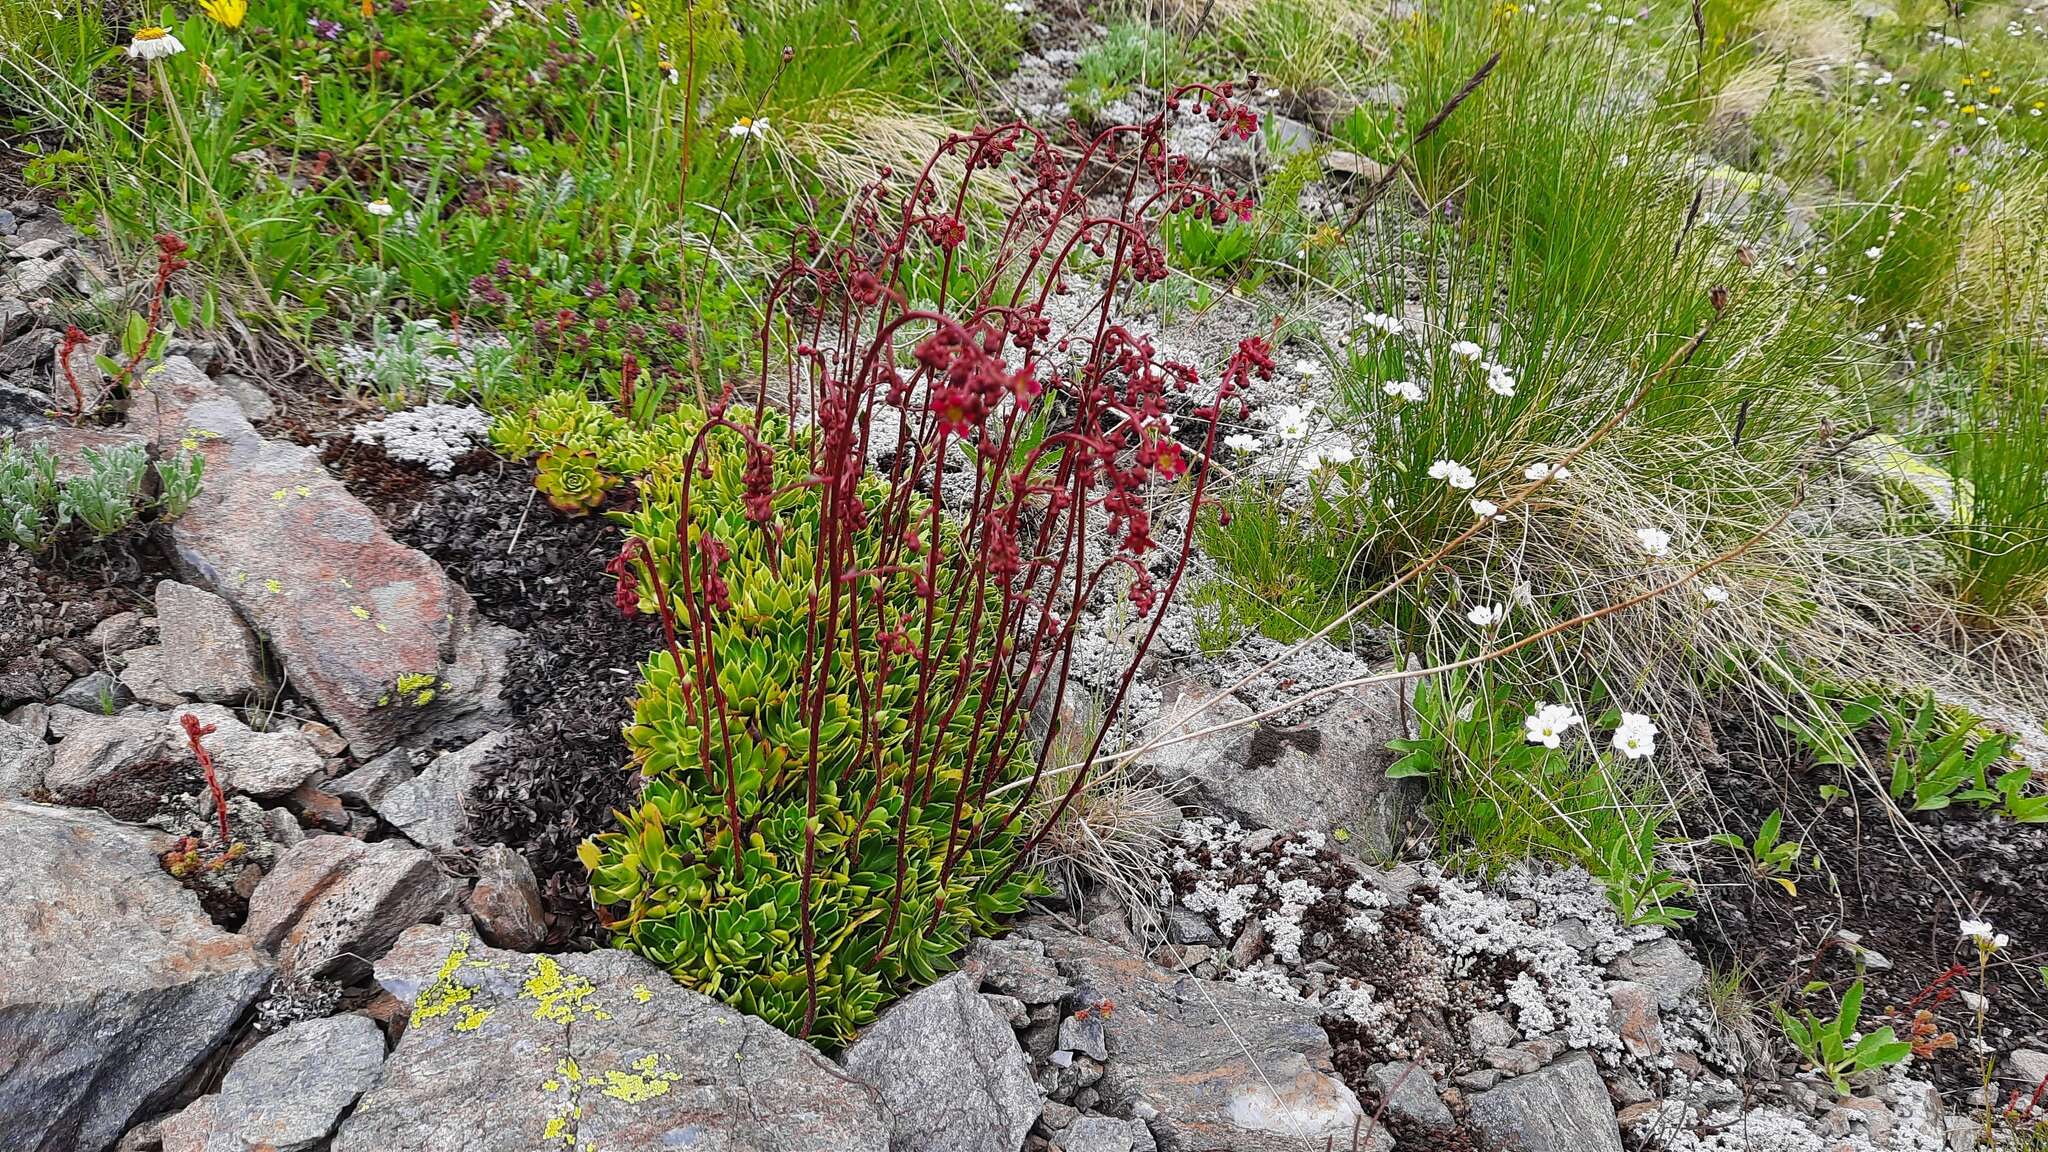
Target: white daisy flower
[[379, 207], [1487, 615], [1636, 737], [1453, 473], [1655, 541], [748, 126], [153, 43], [1548, 724], [1499, 380]]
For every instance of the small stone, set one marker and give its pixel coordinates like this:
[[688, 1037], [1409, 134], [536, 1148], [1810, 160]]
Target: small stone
[[32, 278], [1346, 163], [287, 1092], [1083, 1034], [1055, 1116], [215, 657], [1487, 1030], [1409, 1093], [1543, 1048], [1017, 966], [1663, 965], [101, 693], [143, 677], [324, 740], [254, 402], [916, 1056], [15, 319], [24, 759], [506, 901], [335, 904], [1574, 933], [317, 808], [1187, 926], [120, 632], [265, 764], [2029, 1065], [1512, 1061], [1182, 957], [1009, 1008], [1096, 1134], [1562, 1108], [1633, 1008], [432, 809], [368, 784], [1478, 1080], [41, 249], [1251, 940], [33, 718]]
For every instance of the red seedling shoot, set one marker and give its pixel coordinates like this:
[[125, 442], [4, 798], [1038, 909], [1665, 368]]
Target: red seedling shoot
[[193, 731]]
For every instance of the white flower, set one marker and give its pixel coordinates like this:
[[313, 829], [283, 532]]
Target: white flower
[[1485, 509], [379, 207], [1338, 454], [1873, 253], [1408, 390], [1499, 380], [1548, 724], [1655, 541], [1013, 8], [1453, 473], [1242, 442], [1305, 368], [1391, 325], [1713, 594], [1621, 160], [1465, 350], [1542, 471], [1635, 737], [748, 126], [1487, 615], [1290, 424], [153, 43], [1983, 935]]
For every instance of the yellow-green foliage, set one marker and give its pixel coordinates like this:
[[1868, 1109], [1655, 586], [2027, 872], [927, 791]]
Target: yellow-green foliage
[[668, 878]]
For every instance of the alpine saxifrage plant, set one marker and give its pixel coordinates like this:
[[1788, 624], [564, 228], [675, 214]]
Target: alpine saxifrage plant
[[867, 603]]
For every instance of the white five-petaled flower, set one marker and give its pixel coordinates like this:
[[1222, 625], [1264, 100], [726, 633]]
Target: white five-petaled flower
[[379, 207], [1655, 541], [154, 43], [1873, 252], [1983, 935], [1543, 471], [1487, 615], [748, 126], [1305, 368], [1713, 594], [1465, 350], [1337, 454], [1548, 724], [1453, 473], [1408, 390], [1391, 325], [1013, 8], [1635, 737], [1499, 380], [1485, 509], [1242, 442], [1291, 422]]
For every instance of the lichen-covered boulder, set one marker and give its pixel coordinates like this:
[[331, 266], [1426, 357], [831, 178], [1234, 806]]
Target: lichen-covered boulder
[[114, 986], [508, 1052]]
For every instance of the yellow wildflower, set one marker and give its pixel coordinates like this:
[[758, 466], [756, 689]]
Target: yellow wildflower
[[226, 13]]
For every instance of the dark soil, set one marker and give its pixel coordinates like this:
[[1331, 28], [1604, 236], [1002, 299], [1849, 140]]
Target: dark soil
[[563, 769], [49, 605], [1884, 882]]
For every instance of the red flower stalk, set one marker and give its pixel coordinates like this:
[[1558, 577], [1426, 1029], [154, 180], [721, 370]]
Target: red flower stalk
[[73, 338], [193, 731], [1023, 460]]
